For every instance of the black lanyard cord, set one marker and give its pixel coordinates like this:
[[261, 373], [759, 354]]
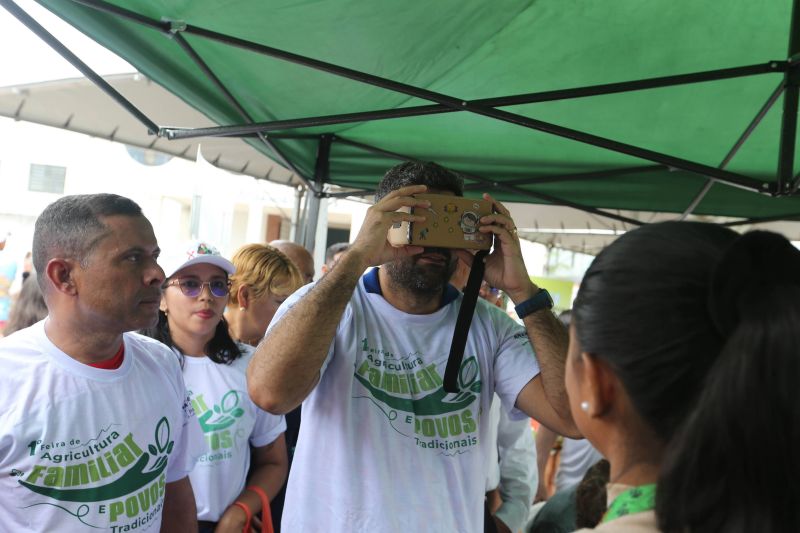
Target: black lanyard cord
[[463, 322]]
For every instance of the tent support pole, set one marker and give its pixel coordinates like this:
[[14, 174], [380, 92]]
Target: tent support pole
[[554, 200], [496, 185], [298, 136], [736, 146], [502, 101], [321, 177], [723, 176], [350, 193], [203, 66], [790, 102], [776, 218], [582, 176], [296, 227], [65, 52]]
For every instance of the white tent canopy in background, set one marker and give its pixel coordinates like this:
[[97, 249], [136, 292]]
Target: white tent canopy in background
[[570, 229], [79, 105]]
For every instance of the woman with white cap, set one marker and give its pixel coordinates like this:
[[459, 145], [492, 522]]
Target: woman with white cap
[[191, 323]]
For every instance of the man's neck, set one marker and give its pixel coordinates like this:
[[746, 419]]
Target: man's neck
[[408, 301], [87, 346]]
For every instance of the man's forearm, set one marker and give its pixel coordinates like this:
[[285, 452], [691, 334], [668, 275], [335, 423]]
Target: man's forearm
[[287, 362], [550, 341]]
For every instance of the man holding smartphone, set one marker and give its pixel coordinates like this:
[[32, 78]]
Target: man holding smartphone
[[383, 446]]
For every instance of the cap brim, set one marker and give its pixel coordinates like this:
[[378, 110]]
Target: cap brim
[[216, 260]]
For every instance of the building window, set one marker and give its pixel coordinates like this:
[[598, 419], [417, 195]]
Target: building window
[[47, 178]]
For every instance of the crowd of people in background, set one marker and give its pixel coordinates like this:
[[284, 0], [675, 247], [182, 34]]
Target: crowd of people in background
[[182, 390]]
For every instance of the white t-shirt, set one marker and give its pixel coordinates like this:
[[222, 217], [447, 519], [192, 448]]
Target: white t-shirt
[[89, 449], [230, 422], [382, 447], [511, 466]]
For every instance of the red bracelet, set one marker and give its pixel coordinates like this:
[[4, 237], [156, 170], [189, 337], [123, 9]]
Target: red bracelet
[[266, 513], [246, 509]]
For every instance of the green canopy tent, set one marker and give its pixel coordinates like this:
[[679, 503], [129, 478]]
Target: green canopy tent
[[682, 107]]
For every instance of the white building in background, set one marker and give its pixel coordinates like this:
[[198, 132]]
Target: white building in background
[[183, 199]]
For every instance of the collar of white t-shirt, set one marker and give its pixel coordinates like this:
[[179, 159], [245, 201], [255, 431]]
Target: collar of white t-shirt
[[76, 367]]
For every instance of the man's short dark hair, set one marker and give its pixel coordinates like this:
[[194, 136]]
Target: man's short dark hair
[[420, 173], [335, 248], [71, 226]]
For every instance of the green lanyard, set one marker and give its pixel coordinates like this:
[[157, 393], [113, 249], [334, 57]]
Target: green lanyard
[[633, 500]]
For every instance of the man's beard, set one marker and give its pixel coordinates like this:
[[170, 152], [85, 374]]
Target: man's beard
[[422, 279]]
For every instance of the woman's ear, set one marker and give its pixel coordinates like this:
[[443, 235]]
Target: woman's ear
[[599, 384], [243, 297]]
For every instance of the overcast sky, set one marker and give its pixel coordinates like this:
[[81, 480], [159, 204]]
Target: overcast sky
[[27, 59]]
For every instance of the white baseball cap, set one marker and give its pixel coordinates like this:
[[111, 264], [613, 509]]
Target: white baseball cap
[[193, 253]]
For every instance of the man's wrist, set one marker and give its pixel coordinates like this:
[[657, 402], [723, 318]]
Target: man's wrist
[[538, 302], [525, 293], [360, 259]]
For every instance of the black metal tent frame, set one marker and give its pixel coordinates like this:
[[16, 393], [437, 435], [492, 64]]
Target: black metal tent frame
[[784, 184]]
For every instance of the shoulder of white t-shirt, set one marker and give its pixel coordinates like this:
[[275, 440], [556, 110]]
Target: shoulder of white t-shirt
[[22, 355], [299, 293], [247, 354], [149, 346]]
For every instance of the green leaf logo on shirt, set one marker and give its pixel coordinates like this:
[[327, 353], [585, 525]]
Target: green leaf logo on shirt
[[227, 412], [381, 385], [58, 480]]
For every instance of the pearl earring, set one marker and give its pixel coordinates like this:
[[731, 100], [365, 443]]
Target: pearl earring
[[242, 308], [585, 407]]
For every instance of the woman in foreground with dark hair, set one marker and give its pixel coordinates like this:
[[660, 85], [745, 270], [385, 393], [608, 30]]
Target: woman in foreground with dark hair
[[191, 323], [678, 329], [734, 464]]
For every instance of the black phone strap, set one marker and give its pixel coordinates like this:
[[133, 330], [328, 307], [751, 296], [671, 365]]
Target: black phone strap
[[463, 322]]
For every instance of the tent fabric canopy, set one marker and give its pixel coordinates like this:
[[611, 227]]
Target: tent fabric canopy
[[669, 138]]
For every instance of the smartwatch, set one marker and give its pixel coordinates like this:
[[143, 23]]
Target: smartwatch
[[540, 300]]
